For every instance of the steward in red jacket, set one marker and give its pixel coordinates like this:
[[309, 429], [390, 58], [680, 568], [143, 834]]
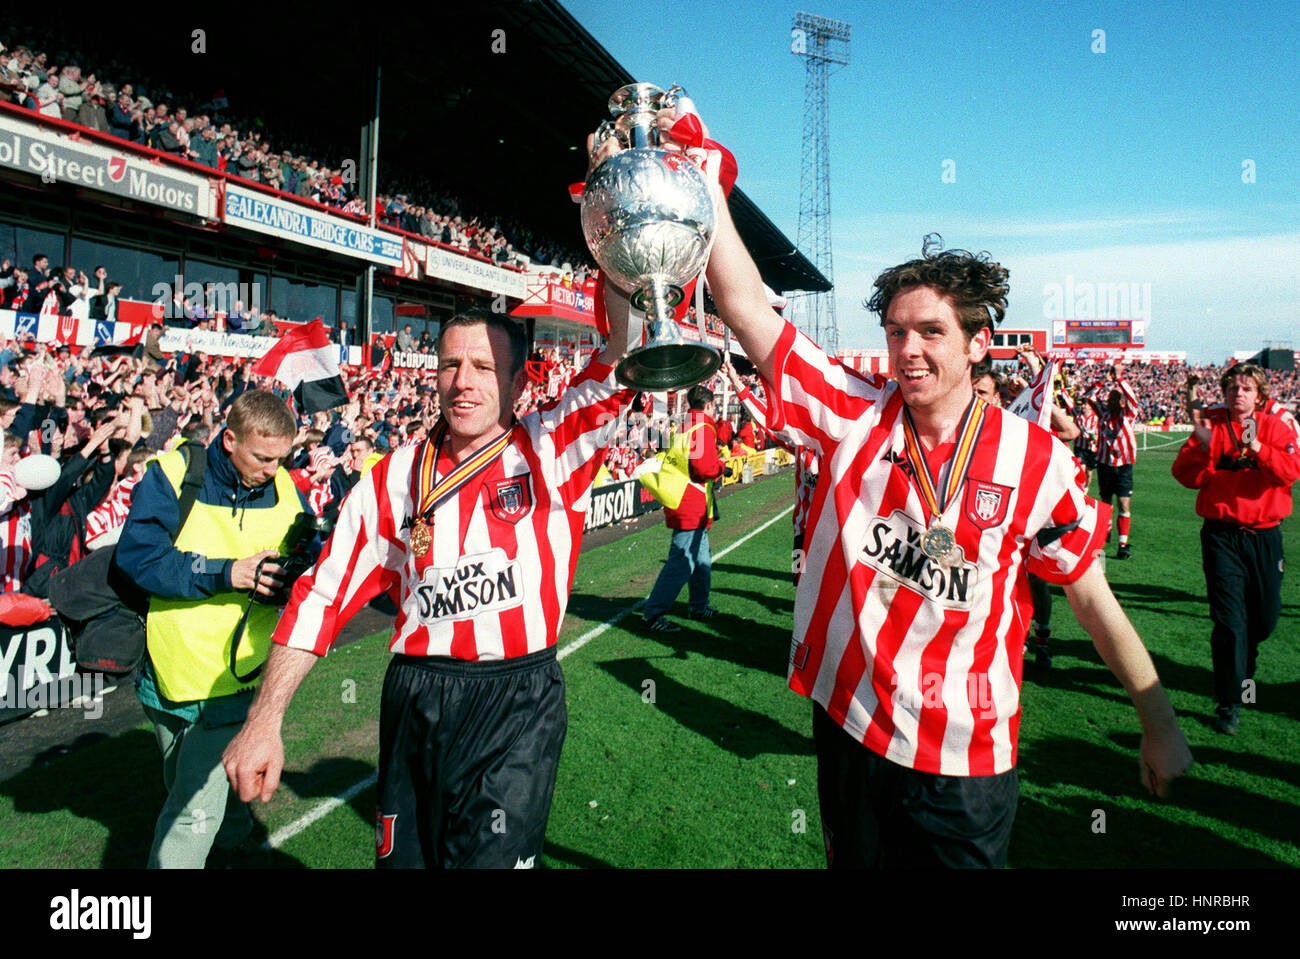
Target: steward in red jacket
[[689, 560], [1243, 461], [696, 509]]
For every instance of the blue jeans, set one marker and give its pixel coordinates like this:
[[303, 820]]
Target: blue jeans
[[688, 561]]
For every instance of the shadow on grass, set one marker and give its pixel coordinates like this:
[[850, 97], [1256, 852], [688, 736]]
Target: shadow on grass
[[782, 606], [1056, 832], [329, 777], [116, 782], [597, 608], [1164, 601], [1141, 831], [1151, 593], [1198, 680], [1280, 698], [732, 639], [1085, 679], [570, 857], [780, 575], [740, 731]]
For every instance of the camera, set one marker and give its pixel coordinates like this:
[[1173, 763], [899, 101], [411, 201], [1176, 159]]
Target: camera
[[295, 555]]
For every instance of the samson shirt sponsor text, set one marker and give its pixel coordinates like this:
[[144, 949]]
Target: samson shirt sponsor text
[[893, 547], [484, 582]]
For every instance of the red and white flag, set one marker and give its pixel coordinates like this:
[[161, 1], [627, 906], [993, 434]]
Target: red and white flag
[[307, 362], [1035, 401]]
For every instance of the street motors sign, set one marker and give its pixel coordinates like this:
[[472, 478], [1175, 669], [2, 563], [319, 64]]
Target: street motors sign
[[55, 158]]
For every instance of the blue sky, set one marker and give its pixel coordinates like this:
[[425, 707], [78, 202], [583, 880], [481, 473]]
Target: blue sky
[[1069, 165]]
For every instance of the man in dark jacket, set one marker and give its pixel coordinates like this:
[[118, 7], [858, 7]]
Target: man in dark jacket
[[203, 660], [124, 120]]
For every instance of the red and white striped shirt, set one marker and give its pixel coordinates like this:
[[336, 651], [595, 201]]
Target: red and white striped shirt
[[318, 494], [1085, 417], [921, 663], [15, 534], [495, 582], [1116, 432], [109, 516]]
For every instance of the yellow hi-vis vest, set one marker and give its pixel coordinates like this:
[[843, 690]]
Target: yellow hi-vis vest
[[189, 639]]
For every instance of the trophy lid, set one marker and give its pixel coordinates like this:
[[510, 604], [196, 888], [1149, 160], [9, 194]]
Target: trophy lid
[[635, 97]]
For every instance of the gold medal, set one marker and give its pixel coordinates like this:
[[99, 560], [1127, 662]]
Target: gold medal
[[421, 538], [940, 544], [433, 492]]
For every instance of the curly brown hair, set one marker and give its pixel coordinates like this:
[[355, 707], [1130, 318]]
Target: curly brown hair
[[976, 284]]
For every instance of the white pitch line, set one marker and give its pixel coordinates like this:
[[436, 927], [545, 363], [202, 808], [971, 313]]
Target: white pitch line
[[282, 836], [595, 631]]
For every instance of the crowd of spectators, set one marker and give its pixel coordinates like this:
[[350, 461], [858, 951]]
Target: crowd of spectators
[[1160, 387], [68, 291], [102, 413], [207, 132]]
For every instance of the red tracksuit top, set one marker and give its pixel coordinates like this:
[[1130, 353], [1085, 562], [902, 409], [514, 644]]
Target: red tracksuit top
[[705, 466], [1255, 493]]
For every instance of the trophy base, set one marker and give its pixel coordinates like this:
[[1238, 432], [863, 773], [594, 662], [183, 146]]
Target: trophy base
[[654, 368]]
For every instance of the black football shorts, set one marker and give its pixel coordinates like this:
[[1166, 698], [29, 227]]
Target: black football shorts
[[877, 814], [1115, 481], [467, 759]]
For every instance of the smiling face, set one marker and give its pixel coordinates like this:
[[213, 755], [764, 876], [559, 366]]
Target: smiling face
[[477, 389], [928, 352]]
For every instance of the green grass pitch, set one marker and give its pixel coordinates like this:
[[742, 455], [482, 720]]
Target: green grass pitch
[[687, 750]]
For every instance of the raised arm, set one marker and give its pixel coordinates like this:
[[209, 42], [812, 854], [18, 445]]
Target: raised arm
[[1164, 753], [737, 289]]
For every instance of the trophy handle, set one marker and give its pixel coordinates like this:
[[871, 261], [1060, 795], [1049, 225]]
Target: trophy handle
[[677, 98], [604, 132], [699, 304]]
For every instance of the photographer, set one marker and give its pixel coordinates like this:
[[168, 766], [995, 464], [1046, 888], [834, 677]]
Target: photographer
[[194, 689]]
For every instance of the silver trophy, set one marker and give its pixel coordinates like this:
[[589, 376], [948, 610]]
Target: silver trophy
[[648, 219]]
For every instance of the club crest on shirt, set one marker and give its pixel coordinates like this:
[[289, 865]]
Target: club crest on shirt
[[510, 499], [986, 503], [480, 583], [893, 547]]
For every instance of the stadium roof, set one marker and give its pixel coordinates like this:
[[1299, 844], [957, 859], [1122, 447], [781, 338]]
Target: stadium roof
[[501, 131]]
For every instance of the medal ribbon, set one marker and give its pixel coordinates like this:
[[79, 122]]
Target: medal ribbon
[[1239, 440], [967, 435], [434, 495]]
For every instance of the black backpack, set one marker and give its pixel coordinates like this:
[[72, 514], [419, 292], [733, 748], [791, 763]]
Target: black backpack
[[102, 607]]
